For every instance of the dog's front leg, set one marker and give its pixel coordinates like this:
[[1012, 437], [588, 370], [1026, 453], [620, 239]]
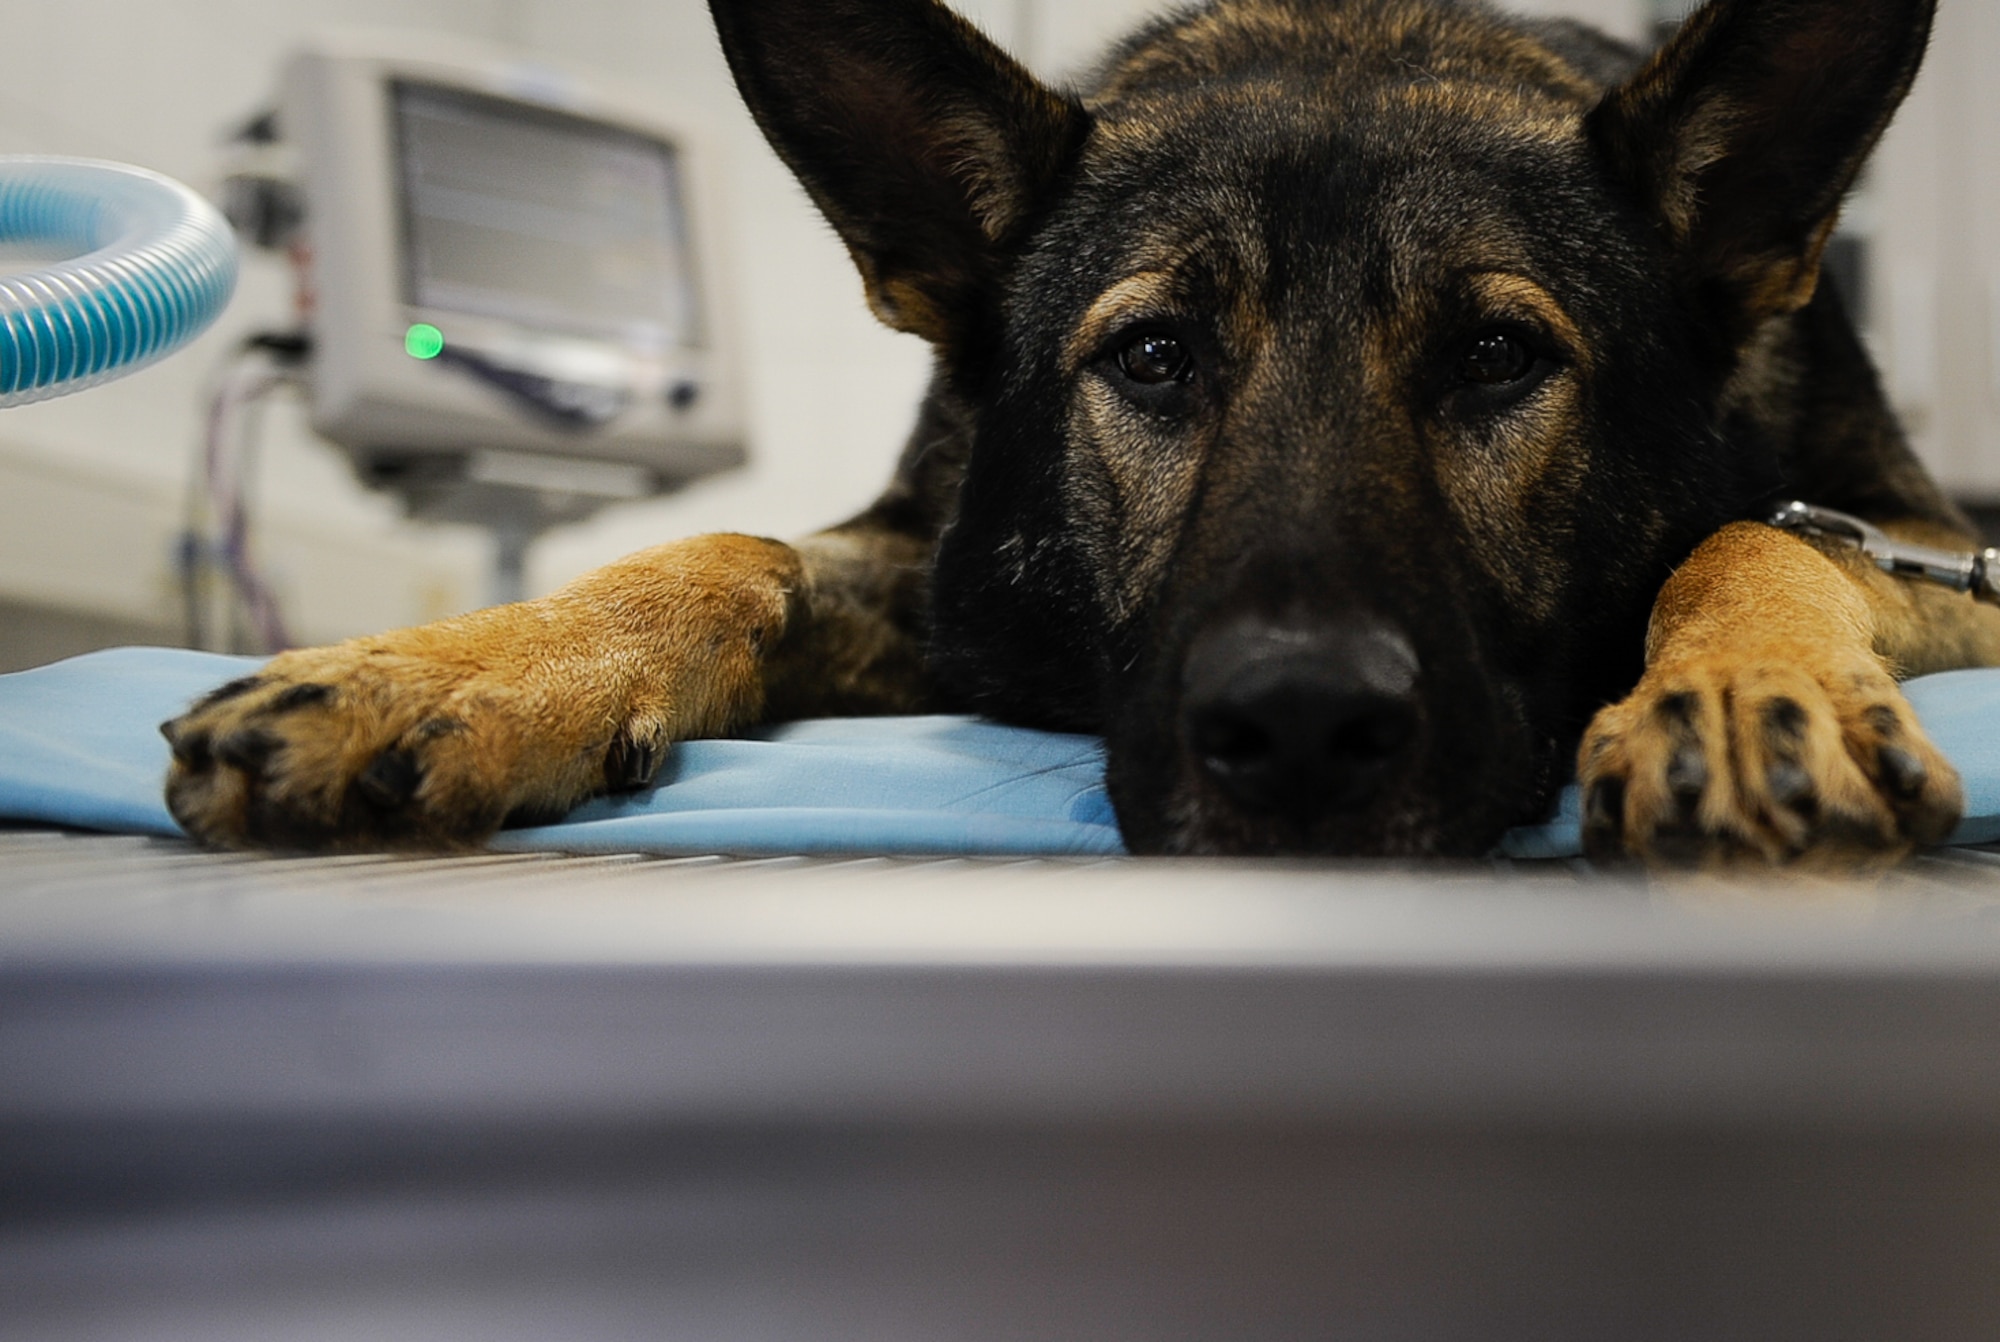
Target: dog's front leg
[[1768, 728], [432, 737]]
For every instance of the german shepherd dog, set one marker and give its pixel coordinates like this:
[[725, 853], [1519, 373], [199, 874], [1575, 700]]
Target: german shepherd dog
[[1357, 410]]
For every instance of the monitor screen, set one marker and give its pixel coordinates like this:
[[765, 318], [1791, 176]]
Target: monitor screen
[[541, 218]]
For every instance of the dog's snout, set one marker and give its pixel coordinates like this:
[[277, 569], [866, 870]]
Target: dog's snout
[[1303, 721]]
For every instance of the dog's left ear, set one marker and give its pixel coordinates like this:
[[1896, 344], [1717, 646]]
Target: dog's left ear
[[1743, 134], [926, 146]]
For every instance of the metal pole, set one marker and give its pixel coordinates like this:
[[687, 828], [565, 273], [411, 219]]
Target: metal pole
[[510, 563]]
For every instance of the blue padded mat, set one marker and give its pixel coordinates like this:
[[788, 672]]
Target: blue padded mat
[[80, 746]]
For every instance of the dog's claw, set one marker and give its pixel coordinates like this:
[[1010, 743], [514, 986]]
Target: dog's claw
[[222, 694], [1687, 777], [391, 780], [249, 749], [1604, 819], [300, 696], [1784, 719], [631, 764], [190, 746], [1790, 785], [1903, 773]]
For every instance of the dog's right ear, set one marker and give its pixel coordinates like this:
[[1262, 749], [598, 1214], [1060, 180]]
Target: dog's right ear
[[926, 146]]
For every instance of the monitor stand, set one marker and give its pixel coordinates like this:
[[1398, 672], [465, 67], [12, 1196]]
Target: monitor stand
[[516, 496]]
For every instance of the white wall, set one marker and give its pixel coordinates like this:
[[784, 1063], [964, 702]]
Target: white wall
[[1627, 19], [1933, 209]]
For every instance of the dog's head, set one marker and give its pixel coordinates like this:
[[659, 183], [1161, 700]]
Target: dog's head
[[1346, 374]]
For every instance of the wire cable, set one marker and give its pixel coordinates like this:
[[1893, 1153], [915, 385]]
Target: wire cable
[[216, 541]]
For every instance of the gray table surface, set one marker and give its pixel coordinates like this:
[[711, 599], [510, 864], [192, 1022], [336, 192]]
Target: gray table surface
[[507, 1097]]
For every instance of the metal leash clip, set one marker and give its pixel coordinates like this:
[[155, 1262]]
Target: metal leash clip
[[1977, 572]]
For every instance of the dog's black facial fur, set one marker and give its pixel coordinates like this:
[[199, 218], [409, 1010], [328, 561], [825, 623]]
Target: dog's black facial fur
[[1349, 325], [1318, 445]]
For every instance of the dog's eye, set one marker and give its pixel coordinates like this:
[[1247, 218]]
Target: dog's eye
[[1496, 358], [1155, 359]]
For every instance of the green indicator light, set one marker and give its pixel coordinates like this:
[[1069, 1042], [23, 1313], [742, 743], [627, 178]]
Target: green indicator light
[[423, 341]]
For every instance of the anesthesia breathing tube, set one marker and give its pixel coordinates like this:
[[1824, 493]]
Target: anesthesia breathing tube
[[152, 264]]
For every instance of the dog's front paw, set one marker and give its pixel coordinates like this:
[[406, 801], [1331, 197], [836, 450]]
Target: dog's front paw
[[433, 737], [368, 745], [1730, 761]]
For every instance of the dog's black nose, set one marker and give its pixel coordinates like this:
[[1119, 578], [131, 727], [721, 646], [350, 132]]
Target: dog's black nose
[[1299, 720]]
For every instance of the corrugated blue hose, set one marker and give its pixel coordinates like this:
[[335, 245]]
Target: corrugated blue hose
[[153, 265]]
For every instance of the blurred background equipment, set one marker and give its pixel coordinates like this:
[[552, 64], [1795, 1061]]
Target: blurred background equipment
[[116, 267], [227, 601], [509, 312]]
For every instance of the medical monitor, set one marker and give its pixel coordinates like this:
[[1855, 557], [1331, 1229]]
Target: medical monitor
[[503, 256]]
